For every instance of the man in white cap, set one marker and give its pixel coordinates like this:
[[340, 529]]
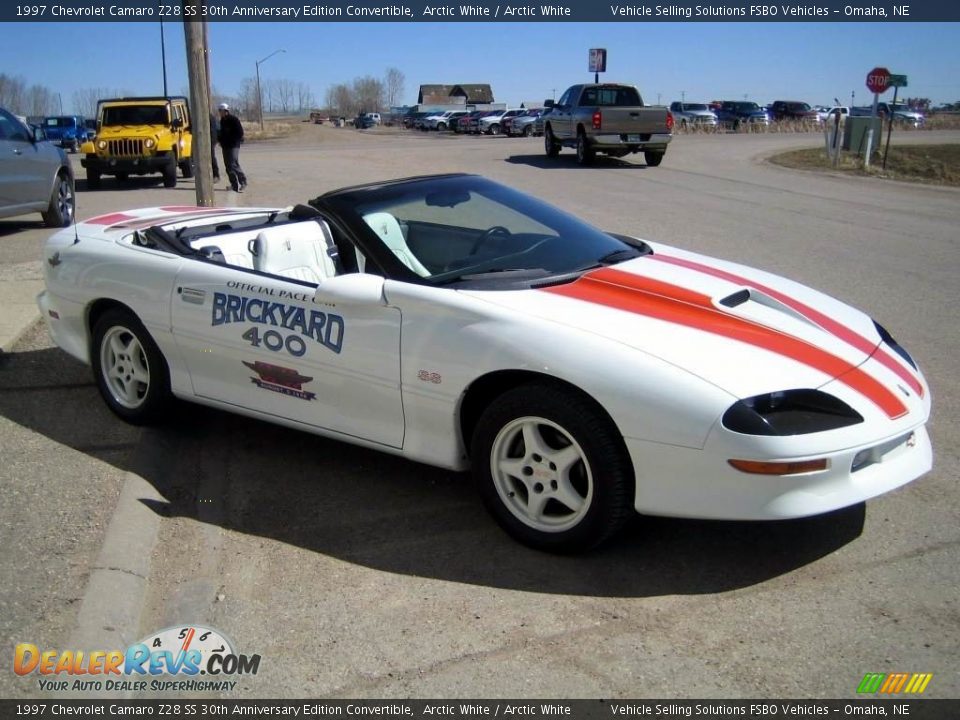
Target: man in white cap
[[230, 137]]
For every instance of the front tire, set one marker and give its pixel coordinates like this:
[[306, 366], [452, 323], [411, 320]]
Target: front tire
[[129, 369], [186, 168], [170, 173], [550, 145], [552, 469], [63, 201]]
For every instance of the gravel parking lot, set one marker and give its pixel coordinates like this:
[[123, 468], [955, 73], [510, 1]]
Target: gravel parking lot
[[356, 574]]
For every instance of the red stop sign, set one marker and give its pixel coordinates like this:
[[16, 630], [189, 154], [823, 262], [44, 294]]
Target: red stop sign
[[878, 80]]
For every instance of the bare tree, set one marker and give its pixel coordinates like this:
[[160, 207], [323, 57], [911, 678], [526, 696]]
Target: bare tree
[[305, 99], [246, 101], [369, 93], [285, 92], [85, 99], [13, 93], [42, 100], [341, 99], [394, 81]]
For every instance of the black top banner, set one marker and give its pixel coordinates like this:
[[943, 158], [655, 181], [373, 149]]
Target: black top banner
[[480, 11], [506, 709]]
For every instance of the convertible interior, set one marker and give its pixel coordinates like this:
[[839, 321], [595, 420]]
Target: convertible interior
[[310, 249]]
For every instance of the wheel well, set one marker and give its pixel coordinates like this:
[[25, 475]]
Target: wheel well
[[484, 390], [98, 307], [96, 310]]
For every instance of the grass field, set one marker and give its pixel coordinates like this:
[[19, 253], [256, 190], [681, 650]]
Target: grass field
[[933, 164]]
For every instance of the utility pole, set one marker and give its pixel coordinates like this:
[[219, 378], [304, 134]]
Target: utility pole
[[194, 36]]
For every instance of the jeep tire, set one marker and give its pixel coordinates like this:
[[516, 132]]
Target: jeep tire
[[170, 173]]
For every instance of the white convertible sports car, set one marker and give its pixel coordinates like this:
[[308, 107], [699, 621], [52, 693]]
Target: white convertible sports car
[[460, 323]]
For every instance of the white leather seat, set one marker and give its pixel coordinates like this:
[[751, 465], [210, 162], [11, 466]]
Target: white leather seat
[[388, 229], [298, 251]]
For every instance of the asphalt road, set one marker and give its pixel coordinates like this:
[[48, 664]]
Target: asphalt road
[[356, 574]]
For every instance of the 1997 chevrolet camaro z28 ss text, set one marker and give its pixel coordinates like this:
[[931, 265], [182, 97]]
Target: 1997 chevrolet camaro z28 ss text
[[460, 323]]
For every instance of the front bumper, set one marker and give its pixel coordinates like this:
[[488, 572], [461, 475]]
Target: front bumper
[[133, 166], [692, 483], [64, 319]]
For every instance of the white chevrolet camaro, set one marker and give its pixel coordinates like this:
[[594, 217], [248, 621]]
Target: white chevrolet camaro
[[457, 322]]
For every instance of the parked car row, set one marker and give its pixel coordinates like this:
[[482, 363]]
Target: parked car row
[[726, 114], [486, 122]]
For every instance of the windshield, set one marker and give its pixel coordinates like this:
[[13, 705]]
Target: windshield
[[748, 107], [695, 107], [134, 115], [60, 122], [465, 228]]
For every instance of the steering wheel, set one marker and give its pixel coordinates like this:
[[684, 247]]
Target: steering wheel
[[489, 232]]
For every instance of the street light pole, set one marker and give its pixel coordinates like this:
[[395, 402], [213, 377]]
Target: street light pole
[[163, 59], [260, 94]]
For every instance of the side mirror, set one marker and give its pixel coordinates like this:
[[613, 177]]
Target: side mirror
[[549, 104], [355, 288], [176, 124], [39, 134]]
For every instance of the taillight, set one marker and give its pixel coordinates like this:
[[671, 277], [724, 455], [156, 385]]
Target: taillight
[[597, 117], [669, 121]]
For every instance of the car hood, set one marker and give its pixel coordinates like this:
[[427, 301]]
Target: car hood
[[744, 330]]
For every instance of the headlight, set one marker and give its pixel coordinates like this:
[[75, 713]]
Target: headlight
[[101, 144], [149, 143], [893, 344], [789, 412]]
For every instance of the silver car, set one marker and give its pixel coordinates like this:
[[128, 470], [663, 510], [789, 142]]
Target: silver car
[[35, 175]]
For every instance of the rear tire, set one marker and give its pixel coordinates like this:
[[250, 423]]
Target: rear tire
[[552, 468], [128, 368], [653, 158], [585, 154], [186, 169]]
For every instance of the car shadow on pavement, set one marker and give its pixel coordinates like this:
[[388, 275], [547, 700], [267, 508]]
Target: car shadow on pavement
[[567, 160], [12, 227], [134, 182], [387, 513]]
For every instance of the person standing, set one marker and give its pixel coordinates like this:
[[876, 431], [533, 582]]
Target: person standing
[[230, 137]]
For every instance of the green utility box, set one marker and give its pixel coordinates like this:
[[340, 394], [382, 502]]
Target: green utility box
[[855, 134]]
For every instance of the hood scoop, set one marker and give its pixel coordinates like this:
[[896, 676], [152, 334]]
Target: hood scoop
[[744, 297]]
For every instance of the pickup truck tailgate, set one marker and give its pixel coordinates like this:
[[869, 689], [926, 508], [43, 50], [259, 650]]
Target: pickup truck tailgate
[[632, 120]]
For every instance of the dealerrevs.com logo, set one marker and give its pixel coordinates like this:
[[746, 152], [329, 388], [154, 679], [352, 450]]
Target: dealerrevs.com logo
[[171, 660]]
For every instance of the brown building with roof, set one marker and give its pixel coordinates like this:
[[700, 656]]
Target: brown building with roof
[[474, 94]]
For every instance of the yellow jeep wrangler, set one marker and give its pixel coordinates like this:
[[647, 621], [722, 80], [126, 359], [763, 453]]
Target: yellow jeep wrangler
[[140, 136]]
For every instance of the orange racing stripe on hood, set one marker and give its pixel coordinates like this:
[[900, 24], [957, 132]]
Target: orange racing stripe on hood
[[840, 331], [682, 306]]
